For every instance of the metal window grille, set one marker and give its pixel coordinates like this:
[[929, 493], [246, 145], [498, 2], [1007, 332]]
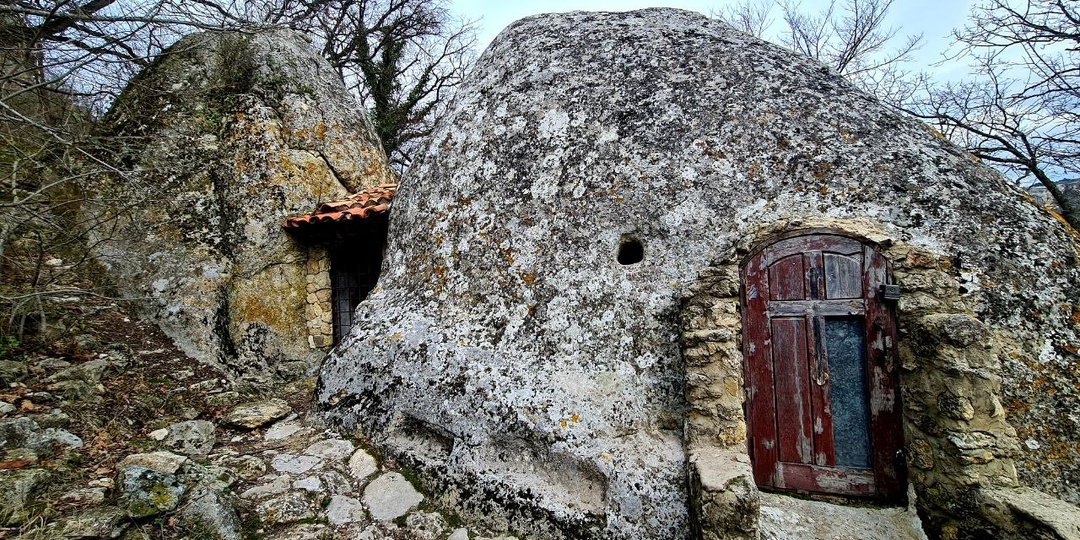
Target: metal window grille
[[354, 271]]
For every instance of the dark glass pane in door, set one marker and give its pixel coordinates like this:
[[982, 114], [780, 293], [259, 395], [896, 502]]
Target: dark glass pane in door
[[845, 348]]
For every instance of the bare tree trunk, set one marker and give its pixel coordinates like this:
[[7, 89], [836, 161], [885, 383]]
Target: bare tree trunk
[[1070, 209], [5, 230]]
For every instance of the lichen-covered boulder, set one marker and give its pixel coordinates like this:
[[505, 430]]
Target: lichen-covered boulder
[[149, 483], [220, 139], [17, 488], [549, 382]]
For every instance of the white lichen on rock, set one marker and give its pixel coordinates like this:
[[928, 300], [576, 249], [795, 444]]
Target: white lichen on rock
[[508, 353]]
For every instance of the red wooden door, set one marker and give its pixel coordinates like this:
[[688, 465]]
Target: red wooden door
[[823, 408]]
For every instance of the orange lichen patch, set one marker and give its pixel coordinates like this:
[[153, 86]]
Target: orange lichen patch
[[1044, 385], [1061, 218], [301, 172], [933, 131], [754, 171], [367, 203], [375, 167], [439, 273], [1017, 405], [1059, 450], [822, 169], [529, 279], [917, 259], [1076, 315], [264, 301], [508, 255]]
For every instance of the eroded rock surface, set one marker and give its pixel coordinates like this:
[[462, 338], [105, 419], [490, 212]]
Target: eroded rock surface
[[509, 352], [226, 135]]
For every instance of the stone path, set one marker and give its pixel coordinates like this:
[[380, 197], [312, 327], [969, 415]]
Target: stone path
[[306, 483], [258, 471]]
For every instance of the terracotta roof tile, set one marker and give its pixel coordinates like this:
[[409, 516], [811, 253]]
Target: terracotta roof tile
[[370, 202]]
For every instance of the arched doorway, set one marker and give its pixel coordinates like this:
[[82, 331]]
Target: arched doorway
[[823, 407]]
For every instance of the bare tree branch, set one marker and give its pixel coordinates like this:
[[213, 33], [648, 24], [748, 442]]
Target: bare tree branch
[[850, 36], [1021, 110]]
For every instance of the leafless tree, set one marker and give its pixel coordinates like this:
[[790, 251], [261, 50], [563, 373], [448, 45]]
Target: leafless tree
[[851, 36], [88, 49], [750, 16], [1021, 109], [61, 64], [404, 58]]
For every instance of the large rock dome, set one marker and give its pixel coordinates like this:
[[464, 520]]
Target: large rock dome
[[221, 138], [519, 354]]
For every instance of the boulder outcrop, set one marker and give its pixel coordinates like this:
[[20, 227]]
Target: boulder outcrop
[[555, 338], [223, 137]]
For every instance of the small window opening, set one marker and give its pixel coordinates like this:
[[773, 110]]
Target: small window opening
[[630, 251]]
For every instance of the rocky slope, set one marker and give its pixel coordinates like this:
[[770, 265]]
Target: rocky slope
[[115, 433]]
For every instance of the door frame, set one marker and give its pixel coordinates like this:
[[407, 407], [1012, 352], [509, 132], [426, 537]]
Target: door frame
[[885, 480]]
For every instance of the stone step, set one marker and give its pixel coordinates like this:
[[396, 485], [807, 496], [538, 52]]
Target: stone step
[[789, 518]]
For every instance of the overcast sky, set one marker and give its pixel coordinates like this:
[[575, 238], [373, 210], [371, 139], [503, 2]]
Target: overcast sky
[[933, 18]]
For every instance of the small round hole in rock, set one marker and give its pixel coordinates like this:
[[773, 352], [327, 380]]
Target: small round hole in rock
[[630, 251]]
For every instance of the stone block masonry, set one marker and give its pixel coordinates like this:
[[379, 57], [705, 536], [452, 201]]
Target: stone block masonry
[[318, 311]]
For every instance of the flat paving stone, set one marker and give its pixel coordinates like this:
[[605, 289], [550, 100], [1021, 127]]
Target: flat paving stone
[[191, 437], [257, 414], [308, 483], [292, 463], [343, 510], [791, 518], [306, 531], [425, 526], [362, 465], [390, 496], [288, 508], [162, 462], [278, 485], [283, 430], [331, 449]]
